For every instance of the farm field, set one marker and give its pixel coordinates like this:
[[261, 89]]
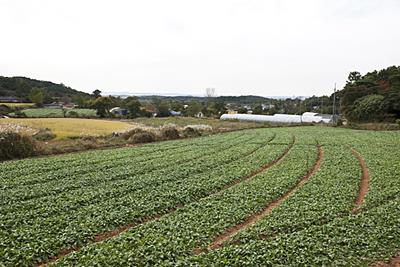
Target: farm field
[[69, 127], [217, 124], [18, 105], [298, 196], [58, 112]]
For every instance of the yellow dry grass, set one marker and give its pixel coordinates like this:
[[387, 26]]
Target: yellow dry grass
[[19, 105], [70, 127]]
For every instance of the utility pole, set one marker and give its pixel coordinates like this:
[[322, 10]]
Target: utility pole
[[334, 106], [322, 105]]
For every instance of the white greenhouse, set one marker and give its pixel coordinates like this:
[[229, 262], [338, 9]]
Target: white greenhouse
[[308, 117]]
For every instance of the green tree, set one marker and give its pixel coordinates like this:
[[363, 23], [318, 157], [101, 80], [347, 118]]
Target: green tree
[[162, 108], [103, 106], [193, 108], [96, 93], [218, 107], [354, 76], [133, 105], [242, 110], [258, 109], [370, 108], [177, 106], [37, 96]]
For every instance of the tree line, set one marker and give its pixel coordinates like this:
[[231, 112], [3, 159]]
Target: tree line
[[373, 97]]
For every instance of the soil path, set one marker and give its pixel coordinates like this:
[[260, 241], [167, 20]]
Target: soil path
[[220, 240], [394, 262], [364, 184], [117, 231]]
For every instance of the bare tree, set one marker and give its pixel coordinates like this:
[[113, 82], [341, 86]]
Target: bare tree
[[210, 92]]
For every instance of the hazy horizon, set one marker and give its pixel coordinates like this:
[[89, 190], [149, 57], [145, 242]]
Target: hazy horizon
[[265, 48]]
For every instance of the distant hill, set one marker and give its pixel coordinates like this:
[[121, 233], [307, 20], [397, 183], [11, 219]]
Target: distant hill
[[20, 87], [246, 99]]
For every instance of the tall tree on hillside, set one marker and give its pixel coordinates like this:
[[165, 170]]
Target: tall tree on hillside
[[96, 93], [354, 76]]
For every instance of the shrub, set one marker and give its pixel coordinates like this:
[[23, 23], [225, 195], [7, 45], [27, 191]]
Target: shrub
[[142, 137], [73, 114], [169, 133], [44, 135], [201, 127], [131, 133], [88, 142], [191, 132], [14, 145], [19, 114]]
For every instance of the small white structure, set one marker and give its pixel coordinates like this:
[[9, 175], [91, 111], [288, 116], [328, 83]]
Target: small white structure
[[175, 113], [119, 111], [199, 115], [308, 117]]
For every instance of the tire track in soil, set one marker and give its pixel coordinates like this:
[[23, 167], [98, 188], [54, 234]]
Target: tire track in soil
[[119, 230], [220, 240], [364, 184]]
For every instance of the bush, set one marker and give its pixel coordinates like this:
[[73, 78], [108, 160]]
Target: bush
[[142, 137], [128, 134], [19, 114], [44, 135], [73, 114], [14, 145], [191, 132], [169, 133]]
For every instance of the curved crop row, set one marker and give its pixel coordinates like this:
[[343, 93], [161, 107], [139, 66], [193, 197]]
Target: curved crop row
[[127, 169], [330, 194], [174, 236], [81, 163], [355, 240], [23, 241]]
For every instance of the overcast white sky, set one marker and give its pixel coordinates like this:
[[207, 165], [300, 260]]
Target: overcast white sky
[[260, 47]]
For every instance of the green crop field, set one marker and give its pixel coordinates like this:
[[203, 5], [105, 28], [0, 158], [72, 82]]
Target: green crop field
[[298, 196], [58, 112]]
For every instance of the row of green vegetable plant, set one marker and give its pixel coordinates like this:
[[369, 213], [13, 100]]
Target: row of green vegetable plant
[[168, 240], [354, 240], [60, 182], [330, 194], [66, 221], [15, 171]]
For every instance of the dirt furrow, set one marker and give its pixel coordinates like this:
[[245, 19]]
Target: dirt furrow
[[220, 240], [394, 262], [364, 184], [117, 231]]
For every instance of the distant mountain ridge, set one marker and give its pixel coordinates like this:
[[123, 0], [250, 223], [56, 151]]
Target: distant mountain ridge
[[247, 99], [20, 87]]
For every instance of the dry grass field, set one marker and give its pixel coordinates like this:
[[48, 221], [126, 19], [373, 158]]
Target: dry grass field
[[69, 127], [18, 105]]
